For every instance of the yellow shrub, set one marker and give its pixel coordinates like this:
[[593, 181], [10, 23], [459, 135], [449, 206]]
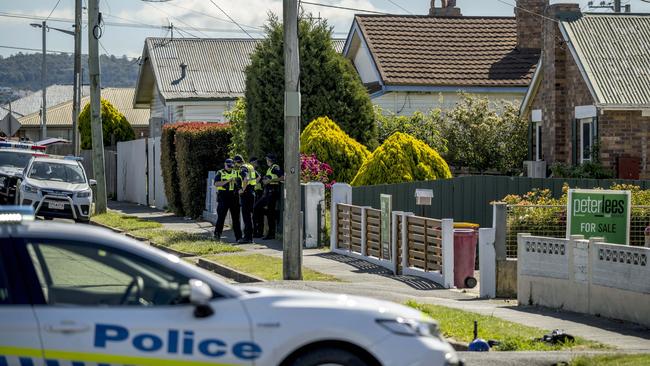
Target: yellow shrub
[[333, 146], [402, 158]]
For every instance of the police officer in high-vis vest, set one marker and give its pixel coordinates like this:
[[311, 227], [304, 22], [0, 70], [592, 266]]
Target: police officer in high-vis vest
[[226, 182], [248, 177], [258, 221], [267, 205]]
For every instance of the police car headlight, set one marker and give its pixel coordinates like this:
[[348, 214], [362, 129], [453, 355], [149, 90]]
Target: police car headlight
[[30, 189], [410, 327], [84, 194], [451, 359]]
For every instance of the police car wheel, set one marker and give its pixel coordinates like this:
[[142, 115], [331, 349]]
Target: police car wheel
[[328, 356]]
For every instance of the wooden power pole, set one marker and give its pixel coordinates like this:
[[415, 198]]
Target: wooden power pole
[[44, 84], [94, 33], [292, 242], [76, 97]]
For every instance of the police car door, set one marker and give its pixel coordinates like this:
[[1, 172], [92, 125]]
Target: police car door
[[106, 306], [19, 342]]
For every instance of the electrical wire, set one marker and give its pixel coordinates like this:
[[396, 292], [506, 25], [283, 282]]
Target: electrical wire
[[34, 49], [529, 11], [233, 20], [399, 6], [214, 17], [53, 9], [342, 8], [180, 20]]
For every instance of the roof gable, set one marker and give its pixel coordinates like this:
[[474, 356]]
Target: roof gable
[[613, 53], [447, 51]]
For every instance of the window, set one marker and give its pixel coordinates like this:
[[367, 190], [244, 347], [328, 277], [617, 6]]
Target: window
[[587, 138], [69, 173], [4, 284], [538, 141], [83, 274]]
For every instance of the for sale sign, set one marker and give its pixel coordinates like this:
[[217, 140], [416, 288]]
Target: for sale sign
[[599, 213]]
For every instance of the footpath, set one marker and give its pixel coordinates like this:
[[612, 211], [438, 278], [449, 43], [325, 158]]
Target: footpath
[[362, 278]]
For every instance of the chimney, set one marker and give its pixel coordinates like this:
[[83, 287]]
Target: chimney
[[447, 9], [529, 16]]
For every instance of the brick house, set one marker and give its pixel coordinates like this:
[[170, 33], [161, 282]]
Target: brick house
[[413, 63], [590, 93]]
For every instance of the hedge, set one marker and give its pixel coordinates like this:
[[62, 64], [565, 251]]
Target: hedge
[[168, 167], [402, 158], [331, 145], [200, 147], [115, 127]]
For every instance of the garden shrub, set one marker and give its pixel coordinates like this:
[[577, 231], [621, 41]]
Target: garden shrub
[[169, 168], [422, 126], [200, 147], [115, 127], [314, 170], [237, 119], [330, 144], [402, 158]]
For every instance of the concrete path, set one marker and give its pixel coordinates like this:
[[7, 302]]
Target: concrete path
[[366, 279]]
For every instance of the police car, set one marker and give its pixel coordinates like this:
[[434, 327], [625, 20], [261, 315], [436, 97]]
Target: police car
[[57, 188], [80, 295], [14, 157]]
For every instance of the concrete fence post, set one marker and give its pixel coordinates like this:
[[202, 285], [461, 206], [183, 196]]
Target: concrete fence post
[[447, 229], [314, 195], [364, 230], [405, 239], [393, 241], [487, 263], [499, 224], [341, 193]]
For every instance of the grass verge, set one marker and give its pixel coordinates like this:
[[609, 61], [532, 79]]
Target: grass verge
[[612, 360], [124, 222], [459, 325], [263, 266], [197, 244]]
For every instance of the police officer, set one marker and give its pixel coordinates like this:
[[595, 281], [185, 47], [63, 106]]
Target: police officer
[[258, 217], [227, 199], [248, 177], [274, 175]]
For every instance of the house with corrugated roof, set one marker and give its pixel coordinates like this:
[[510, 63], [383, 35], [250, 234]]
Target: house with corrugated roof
[[590, 96], [30, 104], [419, 62], [59, 116], [193, 79]]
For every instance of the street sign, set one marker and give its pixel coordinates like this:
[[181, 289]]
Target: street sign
[[9, 125], [386, 202], [599, 213]]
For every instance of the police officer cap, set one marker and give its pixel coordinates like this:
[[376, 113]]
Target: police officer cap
[[238, 159], [229, 162], [271, 157]]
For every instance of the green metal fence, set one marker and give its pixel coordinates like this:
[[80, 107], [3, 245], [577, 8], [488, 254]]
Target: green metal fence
[[468, 198]]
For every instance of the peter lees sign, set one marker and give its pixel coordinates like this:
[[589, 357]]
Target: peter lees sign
[[599, 213]]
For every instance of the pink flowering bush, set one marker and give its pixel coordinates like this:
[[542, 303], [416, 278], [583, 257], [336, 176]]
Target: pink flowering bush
[[314, 170]]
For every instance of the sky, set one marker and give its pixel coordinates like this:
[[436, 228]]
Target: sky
[[201, 18]]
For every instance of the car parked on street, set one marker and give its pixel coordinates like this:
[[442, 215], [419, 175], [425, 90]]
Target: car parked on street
[[57, 188], [14, 157], [85, 295]]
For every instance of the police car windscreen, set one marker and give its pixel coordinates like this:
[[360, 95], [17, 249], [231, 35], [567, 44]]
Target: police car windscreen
[[68, 173], [14, 159]]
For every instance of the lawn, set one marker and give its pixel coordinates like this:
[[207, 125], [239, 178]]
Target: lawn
[[196, 244], [124, 222], [459, 325], [265, 267], [612, 360]]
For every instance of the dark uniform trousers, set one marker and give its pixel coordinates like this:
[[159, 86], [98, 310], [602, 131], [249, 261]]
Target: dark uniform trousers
[[228, 201], [258, 216], [247, 200], [266, 206]]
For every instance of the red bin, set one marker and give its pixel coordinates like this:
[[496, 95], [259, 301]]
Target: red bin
[[465, 241]]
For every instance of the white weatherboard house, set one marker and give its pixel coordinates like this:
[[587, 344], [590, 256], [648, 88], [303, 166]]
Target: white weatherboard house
[[418, 62], [193, 79]]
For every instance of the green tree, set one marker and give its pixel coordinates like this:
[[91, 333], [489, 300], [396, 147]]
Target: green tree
[[114, 126], [328, 83], [402, 158], [424, 127], [237, 119]]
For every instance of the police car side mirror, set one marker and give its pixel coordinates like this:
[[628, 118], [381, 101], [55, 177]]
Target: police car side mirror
[[200, 296], [92, 182], [19, 175]]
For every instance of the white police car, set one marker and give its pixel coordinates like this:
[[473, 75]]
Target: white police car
[[57, 188], [80, 295]]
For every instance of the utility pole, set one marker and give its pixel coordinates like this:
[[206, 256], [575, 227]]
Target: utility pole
[[44, 86], [94, 32], [292, 243], [76, 98]]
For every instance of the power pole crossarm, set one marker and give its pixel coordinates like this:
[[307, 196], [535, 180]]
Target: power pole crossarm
[[292, 241], [95, 106]]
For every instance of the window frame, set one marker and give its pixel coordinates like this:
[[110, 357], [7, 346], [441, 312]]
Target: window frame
[[37, 296], [538, 141], [591, 122]]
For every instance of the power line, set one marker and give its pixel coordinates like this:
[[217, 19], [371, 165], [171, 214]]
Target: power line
[[180, 20], [34, 49], [53, 9], [343, 8], [214, 17], [529, 11], [399, 6], [233, 20]]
